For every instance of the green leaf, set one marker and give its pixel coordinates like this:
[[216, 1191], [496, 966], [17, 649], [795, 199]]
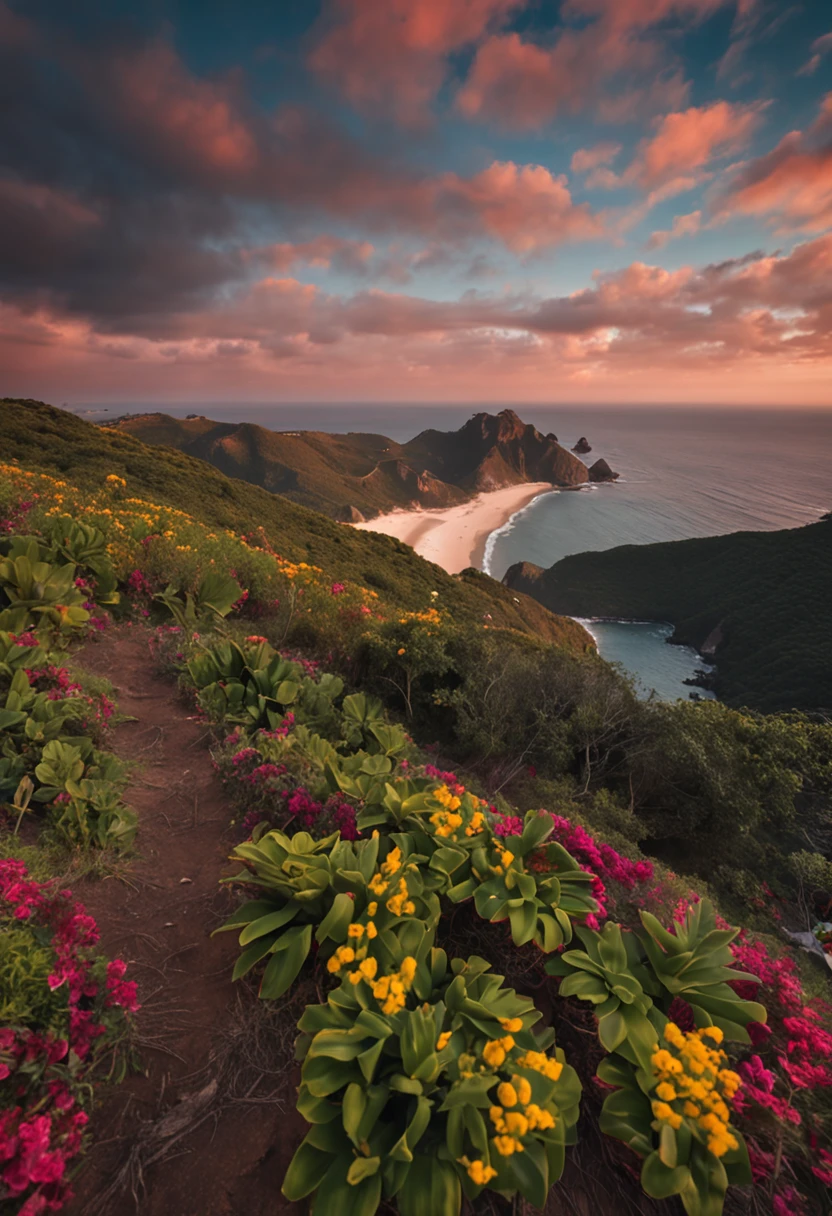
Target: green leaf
[[335, 923], [660, 1181], [284, 966], [268, 923]]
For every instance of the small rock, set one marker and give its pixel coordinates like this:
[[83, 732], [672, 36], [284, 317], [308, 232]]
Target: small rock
[[184, 880]]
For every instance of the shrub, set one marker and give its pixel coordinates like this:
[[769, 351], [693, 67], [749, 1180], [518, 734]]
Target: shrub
[[65, 1017]]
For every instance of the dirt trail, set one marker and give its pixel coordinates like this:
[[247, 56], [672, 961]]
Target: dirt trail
[[209, 1129]]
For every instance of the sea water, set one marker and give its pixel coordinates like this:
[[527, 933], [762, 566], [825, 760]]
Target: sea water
[[684, 473]]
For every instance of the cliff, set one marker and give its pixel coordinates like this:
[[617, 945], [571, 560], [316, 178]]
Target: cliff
[[370, 473], [756, 602]]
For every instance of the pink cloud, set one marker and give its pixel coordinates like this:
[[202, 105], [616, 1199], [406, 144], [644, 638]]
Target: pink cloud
[[820, 47], [757, 328], [521, 84], [687, 141], [524, 206], [792, 184], [683, 225], [590, 158], [324, 251], [187, 118], [393, 52]]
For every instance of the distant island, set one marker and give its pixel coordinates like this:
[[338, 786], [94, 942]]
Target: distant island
[[357, 476], [754, 603]]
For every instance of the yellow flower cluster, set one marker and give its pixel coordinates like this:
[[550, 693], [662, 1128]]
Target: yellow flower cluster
[[391, 990], [114, 480], [512, 1124], [449, 818], [478, 1171], [693, 1083], [301, 571], [506, 858], [494, 1052], [399, 904], [538, 1061], [429, 617]]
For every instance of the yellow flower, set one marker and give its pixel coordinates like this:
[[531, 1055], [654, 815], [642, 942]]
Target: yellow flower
[[512, 1024], [494, 1053], [506, 858], [372, 931], [400, 651], [393, 862], [507, 1094], [479, 1172], [516, 1123], [408, 969], [666, 1092], [355, 977], [712, 1032], [542, 1119], [346, 954], [355, 930], [372, 908], [368, 968], [333, 964], [443, 1040], [524, 1090], [506, 1145]]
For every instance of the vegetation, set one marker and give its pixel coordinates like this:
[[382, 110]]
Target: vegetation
[[338, 474], [67, 448], [757, 601], [427, 1075]]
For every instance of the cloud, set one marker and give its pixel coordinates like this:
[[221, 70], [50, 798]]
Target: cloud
[[687, 141], [178, 116], [392, 54], [683, 225], [602, 60], [524, 206], [792, 184], [763, 322], [590, 158], [323, 251], [820, 47]]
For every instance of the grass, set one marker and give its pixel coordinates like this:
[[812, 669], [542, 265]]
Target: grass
[[43, 438]]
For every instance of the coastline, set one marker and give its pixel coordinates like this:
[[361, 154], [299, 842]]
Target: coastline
[[456, 537]]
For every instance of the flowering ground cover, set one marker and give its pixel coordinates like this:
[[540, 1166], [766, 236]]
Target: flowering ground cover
[[427, 1078]]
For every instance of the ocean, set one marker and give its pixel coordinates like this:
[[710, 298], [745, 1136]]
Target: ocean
[[684, 473]]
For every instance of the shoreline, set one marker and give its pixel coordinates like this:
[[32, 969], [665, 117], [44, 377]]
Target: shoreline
[[456, 537]]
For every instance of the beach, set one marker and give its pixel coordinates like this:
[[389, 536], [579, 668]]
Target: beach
[[455, 537]]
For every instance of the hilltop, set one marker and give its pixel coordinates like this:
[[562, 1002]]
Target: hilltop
[[52, 440], [756, 603], [341, 475]]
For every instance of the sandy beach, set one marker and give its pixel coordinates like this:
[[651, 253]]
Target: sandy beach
[[454, 537]]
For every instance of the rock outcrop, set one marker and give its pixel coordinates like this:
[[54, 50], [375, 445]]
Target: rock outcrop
[[494, 450], [349, 514], [582, 446], [523, 576], [601, 471]]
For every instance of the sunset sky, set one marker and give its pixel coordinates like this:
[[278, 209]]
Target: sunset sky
[[416, 200]]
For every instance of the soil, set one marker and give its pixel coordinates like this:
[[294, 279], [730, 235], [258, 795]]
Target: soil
[[209, 1126]]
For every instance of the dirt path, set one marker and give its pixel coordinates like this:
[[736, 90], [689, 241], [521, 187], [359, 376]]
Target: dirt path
[[209, 1129]]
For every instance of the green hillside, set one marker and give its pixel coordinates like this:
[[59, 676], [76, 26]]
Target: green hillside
[[41, 437], [757, 602], [344, 474]]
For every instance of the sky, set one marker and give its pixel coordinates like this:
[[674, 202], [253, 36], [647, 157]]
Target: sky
[[584, 201]]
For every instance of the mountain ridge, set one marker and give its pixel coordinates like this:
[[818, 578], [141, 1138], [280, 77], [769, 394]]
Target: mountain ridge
[[365, 473]]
